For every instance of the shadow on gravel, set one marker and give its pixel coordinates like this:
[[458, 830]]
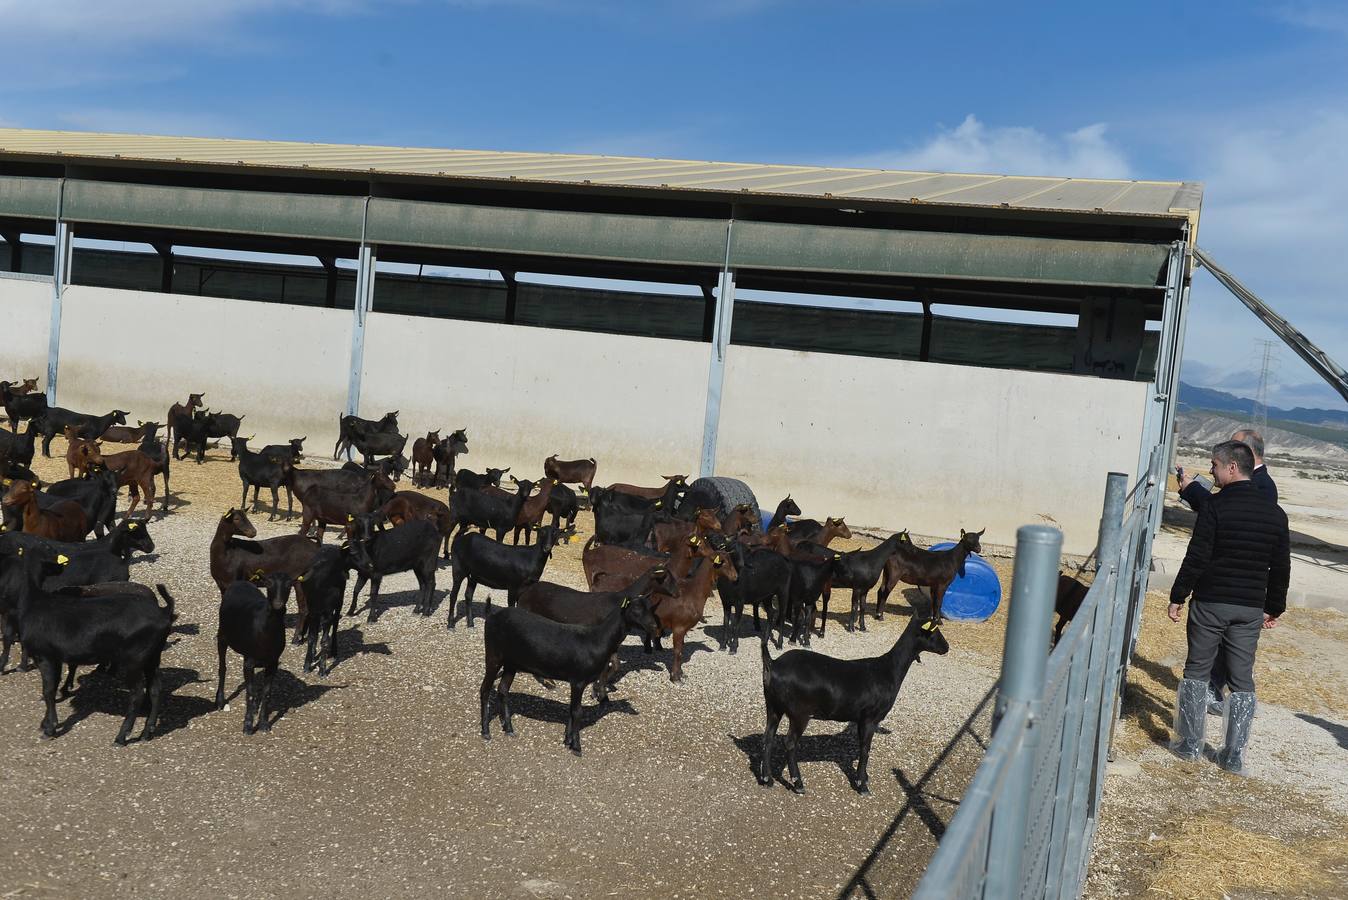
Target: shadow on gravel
[[840, 748], [558, 712], [396, 600], [108, 694], [892, 868], [351, 643], [287, 691], [1336, 731]]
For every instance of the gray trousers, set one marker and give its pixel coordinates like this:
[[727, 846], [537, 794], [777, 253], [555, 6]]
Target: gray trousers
[[1233, 630]]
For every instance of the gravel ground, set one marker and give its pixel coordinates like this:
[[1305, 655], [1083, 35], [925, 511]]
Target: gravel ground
[[375, 781]]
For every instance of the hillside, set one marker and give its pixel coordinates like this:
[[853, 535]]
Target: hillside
[[1203, 428], [1192, 397]]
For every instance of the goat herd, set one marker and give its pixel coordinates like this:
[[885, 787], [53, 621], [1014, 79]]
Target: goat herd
[[655, 557]]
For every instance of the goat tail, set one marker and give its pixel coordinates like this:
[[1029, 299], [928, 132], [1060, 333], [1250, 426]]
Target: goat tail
[[168, 601], [767, 657], [591, 543]]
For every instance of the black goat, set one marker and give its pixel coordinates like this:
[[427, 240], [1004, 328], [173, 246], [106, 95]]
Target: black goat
[[253, 625], [106, 559], [1071, 594], [453, 445], [486, 510], [96, 494], [572, 607], [620, 518], [324, 585], [804, 685], [56, 418], [563, 503], [292, 450], [19, 449], [222, 425], [31, 406], [350, 427], [859, 570], [478, 558], [391, 467], [467, 478], [122, 631], [764, 580], [269, 468], [410, 546], [516, 640]]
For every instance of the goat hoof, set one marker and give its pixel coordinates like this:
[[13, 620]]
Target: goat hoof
[[119, 741], [765, 782], [798, 787], [486, 736], [575, 751]]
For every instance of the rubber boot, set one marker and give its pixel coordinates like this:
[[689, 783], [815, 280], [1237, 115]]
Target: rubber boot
[[1239, 718], [1216, 702], [1191, 706]]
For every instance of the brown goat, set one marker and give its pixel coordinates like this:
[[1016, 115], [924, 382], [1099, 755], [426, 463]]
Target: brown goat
[[668, 535], [407, 506], [570, 471], [932, 569], [611, 568], [136, 471], [79, 453], [423, 455], [180, 409], [531, 513], [63, 521], [29, 385], [124, 434], [679, 613], [648, 493]]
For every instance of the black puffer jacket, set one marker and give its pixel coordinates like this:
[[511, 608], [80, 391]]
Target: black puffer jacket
[[1238, 553]]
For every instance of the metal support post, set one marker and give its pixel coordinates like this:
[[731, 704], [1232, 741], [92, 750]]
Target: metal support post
[[512, 295], [365, 266], [1033, 586], [329, 264], [708, 311], [924, 351], [60, 271], [15, 242], [165, 252], [725, 304]]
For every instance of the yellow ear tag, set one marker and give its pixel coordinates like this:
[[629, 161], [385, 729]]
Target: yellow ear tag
[[928, 625], [62, 559], [350, 518], [626, 600], [7, 482], [132, 527], [301, 578], [20, 553], [693, 540], [716, 560]]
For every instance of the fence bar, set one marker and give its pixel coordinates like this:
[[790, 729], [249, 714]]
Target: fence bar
[[1038, 550]]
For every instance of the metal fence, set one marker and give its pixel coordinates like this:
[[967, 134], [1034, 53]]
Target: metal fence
[[1025, 825]]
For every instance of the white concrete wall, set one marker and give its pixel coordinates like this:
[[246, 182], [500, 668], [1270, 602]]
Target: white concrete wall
[[929, 447], [635, 404], [886, 443], [282, 367], [25, 320]]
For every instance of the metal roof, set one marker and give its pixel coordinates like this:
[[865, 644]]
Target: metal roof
[[1168, 199]]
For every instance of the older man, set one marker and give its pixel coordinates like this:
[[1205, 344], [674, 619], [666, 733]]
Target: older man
[[1237, 568]]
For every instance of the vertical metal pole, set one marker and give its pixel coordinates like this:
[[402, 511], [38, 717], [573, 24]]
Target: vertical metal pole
[[725, 304], [364, 303], [60, 271], [924, 350], [708, 312], [512, 295], [1038, 550]]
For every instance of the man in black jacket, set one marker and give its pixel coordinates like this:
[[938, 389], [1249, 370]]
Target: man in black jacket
[[1195, 494], [1237, 568]]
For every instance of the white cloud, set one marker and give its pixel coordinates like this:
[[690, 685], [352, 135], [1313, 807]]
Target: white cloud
[[1315, 16], [1273, 215], [144, 20], [975, 147]]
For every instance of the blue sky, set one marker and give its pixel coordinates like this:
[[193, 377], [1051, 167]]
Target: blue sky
[[1250, 98]]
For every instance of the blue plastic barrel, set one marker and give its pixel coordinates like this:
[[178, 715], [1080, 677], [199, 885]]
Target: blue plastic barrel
[[973, 596]]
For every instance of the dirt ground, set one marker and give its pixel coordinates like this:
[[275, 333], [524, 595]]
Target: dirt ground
[[1172, 829], [375, 781]]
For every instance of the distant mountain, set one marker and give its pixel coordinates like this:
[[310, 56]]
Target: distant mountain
[[1195, 398]]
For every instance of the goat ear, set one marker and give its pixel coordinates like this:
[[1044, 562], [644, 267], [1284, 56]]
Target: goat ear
[[963, 532]]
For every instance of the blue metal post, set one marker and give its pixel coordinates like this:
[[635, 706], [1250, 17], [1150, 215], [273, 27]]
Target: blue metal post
[[1038, 550], [60, 274], [365, 265], [720, 341]]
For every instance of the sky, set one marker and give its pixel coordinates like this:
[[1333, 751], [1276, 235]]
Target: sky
[[1250, 98]]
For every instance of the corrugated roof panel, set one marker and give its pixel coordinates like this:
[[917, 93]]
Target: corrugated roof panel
[[1169, 199]]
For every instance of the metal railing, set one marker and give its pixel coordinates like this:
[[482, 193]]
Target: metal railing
[[1027, 820]]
